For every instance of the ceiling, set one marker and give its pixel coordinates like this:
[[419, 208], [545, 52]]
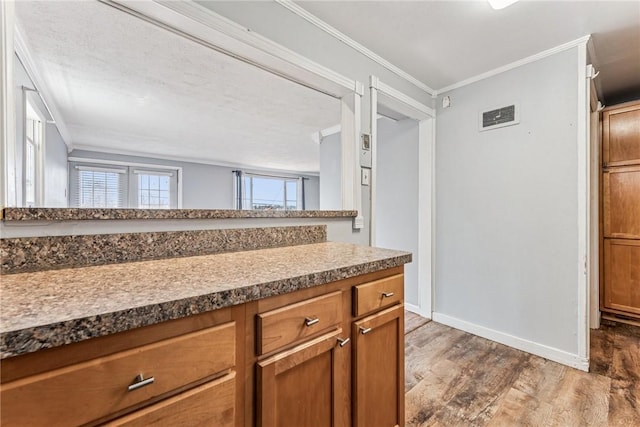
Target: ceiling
[[444, 42], [121, 84]]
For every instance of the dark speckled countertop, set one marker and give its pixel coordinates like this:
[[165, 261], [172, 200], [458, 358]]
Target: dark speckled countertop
[[77, 214], [51, 308]]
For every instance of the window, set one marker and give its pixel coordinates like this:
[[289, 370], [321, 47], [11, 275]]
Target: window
[[33, 144], [100, 187], [265, 192], [154, 190], [104, 185]]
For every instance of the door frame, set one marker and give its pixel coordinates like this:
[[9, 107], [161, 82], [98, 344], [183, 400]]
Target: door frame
[[425, 258]]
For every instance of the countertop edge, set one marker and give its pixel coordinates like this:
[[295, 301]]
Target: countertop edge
[[76, 214], [41, 337]]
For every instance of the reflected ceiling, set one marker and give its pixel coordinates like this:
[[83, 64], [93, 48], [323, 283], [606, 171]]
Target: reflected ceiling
[[121, 84]]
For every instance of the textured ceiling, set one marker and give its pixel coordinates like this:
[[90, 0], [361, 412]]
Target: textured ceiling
[[123, 84], [444, 42]]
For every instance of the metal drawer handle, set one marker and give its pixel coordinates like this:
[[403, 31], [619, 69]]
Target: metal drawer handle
[[387, 294], [140, 381], [310, 322], [365, 330], [343, 341]]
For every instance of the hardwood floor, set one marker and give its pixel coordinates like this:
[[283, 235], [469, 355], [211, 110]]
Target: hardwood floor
[[457, 379]]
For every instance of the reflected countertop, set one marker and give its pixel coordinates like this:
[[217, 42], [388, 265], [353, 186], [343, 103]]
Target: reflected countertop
[[79, 214]]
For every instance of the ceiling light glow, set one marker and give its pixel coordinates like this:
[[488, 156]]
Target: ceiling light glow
[[501, 4]]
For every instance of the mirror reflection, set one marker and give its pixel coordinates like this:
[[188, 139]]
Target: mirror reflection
[[114, 111]]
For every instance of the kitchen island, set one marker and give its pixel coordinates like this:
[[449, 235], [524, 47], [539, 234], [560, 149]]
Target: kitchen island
[[298, 335]]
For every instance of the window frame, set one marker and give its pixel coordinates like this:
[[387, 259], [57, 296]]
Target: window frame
[[240, 196], [30, 110], [133, 168]]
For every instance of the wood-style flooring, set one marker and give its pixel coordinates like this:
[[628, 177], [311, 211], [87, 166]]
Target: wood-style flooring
[[458, 379]]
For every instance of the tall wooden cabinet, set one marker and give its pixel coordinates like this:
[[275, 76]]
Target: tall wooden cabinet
[[620, 284]]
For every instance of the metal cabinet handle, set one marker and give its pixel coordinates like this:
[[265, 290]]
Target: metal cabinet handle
[[387, 294], [310, 322], [365, 330], [343, 341], [140, 381]]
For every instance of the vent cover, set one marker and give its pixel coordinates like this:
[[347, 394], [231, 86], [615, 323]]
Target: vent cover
[[499, 117]]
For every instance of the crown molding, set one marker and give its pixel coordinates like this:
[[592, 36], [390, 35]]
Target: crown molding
[[309, 17], [516, 64]]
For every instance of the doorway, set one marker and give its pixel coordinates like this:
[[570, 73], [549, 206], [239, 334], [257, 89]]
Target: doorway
[[402, 182]]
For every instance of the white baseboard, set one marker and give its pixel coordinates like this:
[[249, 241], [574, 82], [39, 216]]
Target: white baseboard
[[417, 310], [541, 350]]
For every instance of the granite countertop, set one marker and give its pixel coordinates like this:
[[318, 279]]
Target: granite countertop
[[75, 214], [51, 308]]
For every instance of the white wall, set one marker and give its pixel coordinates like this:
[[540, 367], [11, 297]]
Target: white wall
[[279, 24], [330, 173], [507, 209], [397, 195], [56, 176], [55, 152], [204, 186]]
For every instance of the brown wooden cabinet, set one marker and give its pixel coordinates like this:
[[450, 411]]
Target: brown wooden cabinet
[[621, 135], [378, 369], [287, 360], [620, 281], [621, 198], [145, 376], [622, 270], [304, 386]]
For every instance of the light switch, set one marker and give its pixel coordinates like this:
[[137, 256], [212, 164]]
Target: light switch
[[366, 176]]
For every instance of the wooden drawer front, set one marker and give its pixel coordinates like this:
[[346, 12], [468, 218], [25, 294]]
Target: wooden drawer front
[[622, 275], [621, 191], [375, 295], [94, 389], [211, 404], [287, 325]]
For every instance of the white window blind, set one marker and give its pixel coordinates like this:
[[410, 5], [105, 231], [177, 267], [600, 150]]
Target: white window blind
[[104, 185], [99, 187]]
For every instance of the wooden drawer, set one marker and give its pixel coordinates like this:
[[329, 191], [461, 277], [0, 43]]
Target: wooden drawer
[[211, 404], [375, 295], [283, 326], [87, 391]]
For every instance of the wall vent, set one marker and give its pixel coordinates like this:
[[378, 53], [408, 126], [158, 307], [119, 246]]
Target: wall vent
[[499, 117]]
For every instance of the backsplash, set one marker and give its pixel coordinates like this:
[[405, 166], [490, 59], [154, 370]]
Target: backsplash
[[27, 254]]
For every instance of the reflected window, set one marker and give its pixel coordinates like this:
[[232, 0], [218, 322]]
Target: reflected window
[[33, 143], [266, 192], [154, 190], [122, 186], [100, 188]]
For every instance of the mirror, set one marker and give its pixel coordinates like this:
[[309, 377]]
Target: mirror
[[115, 111]]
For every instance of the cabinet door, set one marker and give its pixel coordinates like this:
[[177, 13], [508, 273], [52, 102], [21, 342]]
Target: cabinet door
[[621, 136], [305, 386], [621, 198], [622, 275], [379, 369]]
